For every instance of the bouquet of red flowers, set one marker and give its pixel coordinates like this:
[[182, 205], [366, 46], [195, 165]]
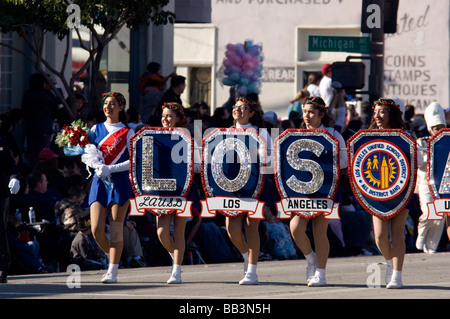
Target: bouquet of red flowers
[[73, 138]]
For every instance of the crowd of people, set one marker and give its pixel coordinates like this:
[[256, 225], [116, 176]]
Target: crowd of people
[[78, 220]]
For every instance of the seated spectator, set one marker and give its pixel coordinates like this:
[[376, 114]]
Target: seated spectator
[[38, 198], [84, 251], [67, 208], [132, 255], [24, 248]]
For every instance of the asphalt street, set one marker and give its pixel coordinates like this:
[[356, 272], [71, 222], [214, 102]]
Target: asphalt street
[[362, 277]]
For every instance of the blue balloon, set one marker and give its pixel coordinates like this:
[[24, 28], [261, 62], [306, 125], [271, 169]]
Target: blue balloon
[[228, 82], [235, 76], [242, 90], [253, 87], [244, 81]]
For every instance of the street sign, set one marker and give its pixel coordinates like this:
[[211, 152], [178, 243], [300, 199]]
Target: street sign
[[318, 43]]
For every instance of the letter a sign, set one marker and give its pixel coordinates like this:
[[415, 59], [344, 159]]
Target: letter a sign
[[382, 170], [438, 172]]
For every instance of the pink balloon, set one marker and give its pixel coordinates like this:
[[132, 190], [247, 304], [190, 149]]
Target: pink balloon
[[230, 47], [248, 74], [236, 60], [247, 57]]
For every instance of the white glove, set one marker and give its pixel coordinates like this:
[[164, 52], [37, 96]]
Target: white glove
[[103, 170], [14, 186]]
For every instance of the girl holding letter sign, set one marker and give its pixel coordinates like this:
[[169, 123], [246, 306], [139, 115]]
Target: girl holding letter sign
[[173, 115], [315, 117], [247, 114], [387, 115]]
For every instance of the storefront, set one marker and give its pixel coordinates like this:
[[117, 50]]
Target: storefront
[[416, 57]]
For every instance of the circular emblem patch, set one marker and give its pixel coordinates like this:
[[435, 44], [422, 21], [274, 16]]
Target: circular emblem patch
[[380, 170]]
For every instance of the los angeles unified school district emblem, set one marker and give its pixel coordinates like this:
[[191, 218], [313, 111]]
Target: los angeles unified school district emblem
[[382, 170]]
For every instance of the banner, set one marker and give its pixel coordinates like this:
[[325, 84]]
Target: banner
[[438, 173], [382, 170], [233, 172], [161, 171], [307, 173]]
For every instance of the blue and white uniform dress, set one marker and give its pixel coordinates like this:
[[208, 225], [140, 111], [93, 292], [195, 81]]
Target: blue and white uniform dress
[[113, 141]]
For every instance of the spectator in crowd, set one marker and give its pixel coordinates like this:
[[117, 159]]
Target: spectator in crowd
[[132, 255], [295, 108], [9, 184], [38, 103], [134, 118], [173, 94], [326, 90], [313, 84], [83, 251]]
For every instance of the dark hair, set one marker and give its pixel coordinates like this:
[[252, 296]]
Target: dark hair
[[177, 80], [319, 104], [395, 114], [36, 81], [34, 178], [257, 118], [76, 191], [133, 114], [179, 111], [153, 67]]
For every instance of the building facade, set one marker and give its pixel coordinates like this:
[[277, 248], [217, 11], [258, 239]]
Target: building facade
[[416, 67], [416, 61]]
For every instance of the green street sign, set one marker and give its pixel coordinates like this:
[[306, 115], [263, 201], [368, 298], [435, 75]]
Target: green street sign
[[318, 43]]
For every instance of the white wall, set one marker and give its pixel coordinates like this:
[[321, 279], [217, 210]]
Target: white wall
[[422, 36]]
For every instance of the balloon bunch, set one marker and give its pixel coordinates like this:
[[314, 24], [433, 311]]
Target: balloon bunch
[[243, 67]]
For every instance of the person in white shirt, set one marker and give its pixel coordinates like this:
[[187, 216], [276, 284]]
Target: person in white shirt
[[326, 90], [429, 231]]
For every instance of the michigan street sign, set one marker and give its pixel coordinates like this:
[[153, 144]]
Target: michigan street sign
[[318, 43]]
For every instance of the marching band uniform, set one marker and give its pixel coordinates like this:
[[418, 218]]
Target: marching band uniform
[[429, 231]]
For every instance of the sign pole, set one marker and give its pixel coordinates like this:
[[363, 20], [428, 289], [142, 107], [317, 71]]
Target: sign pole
[[376, 77]]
